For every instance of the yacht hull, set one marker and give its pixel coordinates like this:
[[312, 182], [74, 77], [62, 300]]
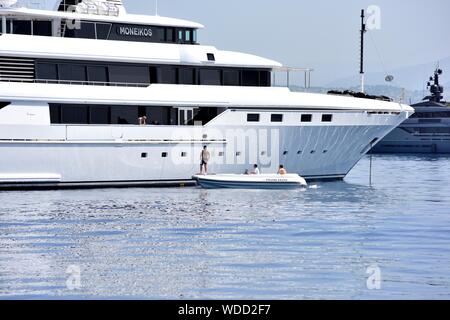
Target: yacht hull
[[314, 152]]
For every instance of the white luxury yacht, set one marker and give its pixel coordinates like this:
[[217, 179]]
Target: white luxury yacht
[[91, 96]]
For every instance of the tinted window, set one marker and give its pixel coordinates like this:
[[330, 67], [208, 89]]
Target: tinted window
[[210, 77], [173, 114], [250, 78], [97, 73], [170, 36], [99, 115], [8, 26], [158, 115], [86, 31], [47, 71], [153, 74], [159, 34], [72, 72], [205, 115], [42, 28], [180, 36], [22, 27], [124, 115], [167, 74], [75, 114], [129, 74], [276, 118], [327, 118], [231, 77], [103, 30], [264, 79], [253, 117], [186, 76], [55, 113], [65, 72], [442, 114], [306, 117], [78, 72], [433, 130]]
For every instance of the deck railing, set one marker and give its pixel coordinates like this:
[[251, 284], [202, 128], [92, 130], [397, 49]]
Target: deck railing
[[76, 82], [284, 75]]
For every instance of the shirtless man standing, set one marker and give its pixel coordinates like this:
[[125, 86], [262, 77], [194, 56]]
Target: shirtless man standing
[[204, 158]]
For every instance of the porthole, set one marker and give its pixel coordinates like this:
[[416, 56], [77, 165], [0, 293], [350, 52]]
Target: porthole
[[144, 155], [164, 155], [313, 151], [276, 118], [299, 152], [221, 154], [184, 154], [327, 118], [285, 153], [253, 117], [263, 153], [238, 154]]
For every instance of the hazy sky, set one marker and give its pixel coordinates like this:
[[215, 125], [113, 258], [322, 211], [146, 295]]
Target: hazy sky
[[320, 34]]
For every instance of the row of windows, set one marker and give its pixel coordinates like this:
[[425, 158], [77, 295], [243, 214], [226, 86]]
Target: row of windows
[[137, 33], [145, 74], [430, 130], [442, 114], [103, 31], [255, 117], [237, 154], [103, 114], [141, 115], [27, 27], [130, 115]]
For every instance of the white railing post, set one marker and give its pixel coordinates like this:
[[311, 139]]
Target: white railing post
[[3, 24]]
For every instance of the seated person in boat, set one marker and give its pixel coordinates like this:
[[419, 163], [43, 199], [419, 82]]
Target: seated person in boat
[[282, 170], [255, 169]]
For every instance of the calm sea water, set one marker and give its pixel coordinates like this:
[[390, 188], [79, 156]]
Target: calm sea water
[[201, 244]]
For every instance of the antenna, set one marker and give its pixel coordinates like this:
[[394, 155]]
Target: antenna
[[156, 7], [363, 31]]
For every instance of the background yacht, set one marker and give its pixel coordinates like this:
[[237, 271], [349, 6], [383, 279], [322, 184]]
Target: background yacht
[[426, 131], [92, 96]]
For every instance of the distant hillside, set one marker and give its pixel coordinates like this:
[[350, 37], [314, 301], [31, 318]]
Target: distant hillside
[[411, 78]]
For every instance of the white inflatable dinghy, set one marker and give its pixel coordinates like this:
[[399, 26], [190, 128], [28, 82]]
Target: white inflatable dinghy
[[251, 181]]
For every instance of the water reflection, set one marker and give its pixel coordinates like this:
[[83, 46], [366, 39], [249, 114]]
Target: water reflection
[[195, 243]]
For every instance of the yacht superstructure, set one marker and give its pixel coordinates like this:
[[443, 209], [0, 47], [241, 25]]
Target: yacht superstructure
[[93, 96], [427, 131]]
